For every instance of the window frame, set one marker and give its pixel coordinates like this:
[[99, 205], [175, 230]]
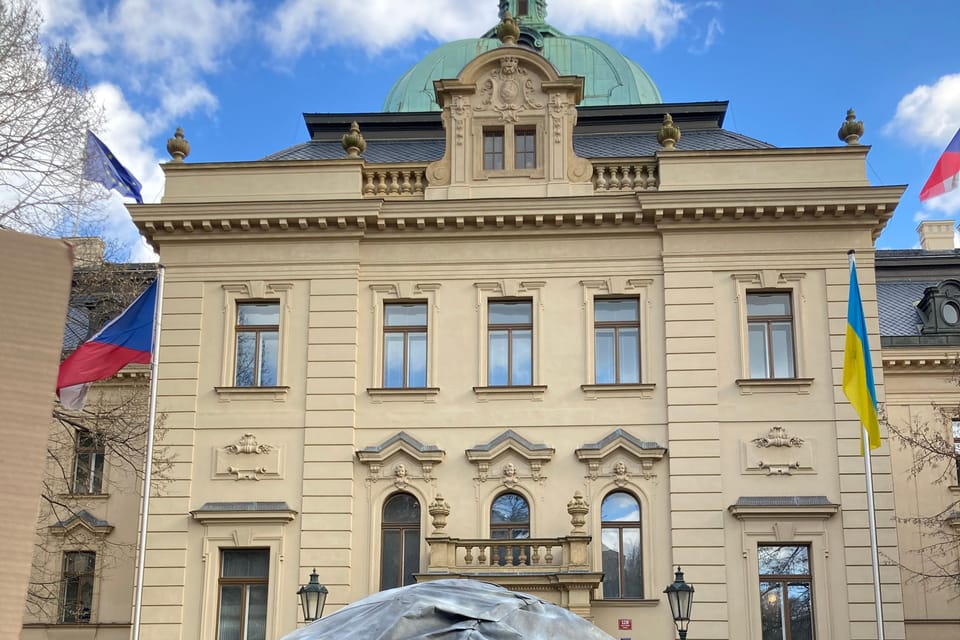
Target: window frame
[[508, 132], [406, 330], [619, 526], [955, 430], [402, 527], [257, 330], [617, 325], [91, 577], [402, 292], [506, 290], [767, 321], [527, 133], [245, 582], [784, 581], [97, 452], [494, 134], [520, 552], [509, 328], [253, 291]]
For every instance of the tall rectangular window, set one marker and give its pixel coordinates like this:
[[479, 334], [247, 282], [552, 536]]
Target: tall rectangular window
[[493, 149], [258, 344], [525, 150], [76, 590], [616, 329], [88, 463], [405, 345], [786, 592], [243, 594], [770, 331], [510, 343]]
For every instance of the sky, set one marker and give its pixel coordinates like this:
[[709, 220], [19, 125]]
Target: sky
[[237, 75]]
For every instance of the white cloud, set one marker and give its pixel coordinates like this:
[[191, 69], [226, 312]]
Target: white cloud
[[301, 25], [930, 114], [948, 203]]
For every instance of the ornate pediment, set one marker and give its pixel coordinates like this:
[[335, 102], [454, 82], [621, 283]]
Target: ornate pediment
[[396, 459], [620, 455], [510, 458]]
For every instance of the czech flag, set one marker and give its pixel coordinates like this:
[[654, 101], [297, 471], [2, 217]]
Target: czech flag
[[857, 368], [946, 173], [126, 339]]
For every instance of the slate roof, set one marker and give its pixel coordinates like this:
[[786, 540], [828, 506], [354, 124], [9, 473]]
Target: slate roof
[[594, 145], [897, 303]]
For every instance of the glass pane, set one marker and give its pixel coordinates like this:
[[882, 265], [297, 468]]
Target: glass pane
[[522, 362], [510, 507], [629, 356], [390, 555], [393, 360], [605, 343], [620, 507], [610, 554], [82, 475], [771, 611], [780, 560], [417, 360], [258, 313], [782, 349], [230, 606], [71, 590], [246, 351], [801, 611], [96, 482], [615, 310], [413, 314], [515, 313], [411, 555], [256, 628], [768, 304], [758, 350], [497, 359], [632, 564], [269, 348], [402, 508], [951, 313], [247, 563]]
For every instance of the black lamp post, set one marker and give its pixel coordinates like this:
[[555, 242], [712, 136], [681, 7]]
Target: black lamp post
[[680, 596], [312, 598]]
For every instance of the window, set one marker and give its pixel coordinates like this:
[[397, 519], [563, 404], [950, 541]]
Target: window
[[955, 424], [525, 151], [243, 594], [258, 341], [522, 7], [510, 520], [620, 546], [786, 592], [616, 328], [76, 594], [492, 149], [510, 343], [400, 541], [405, 345], [88, 465], [770, 331]]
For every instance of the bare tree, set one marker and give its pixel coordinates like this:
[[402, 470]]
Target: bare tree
[[94, 456], [46, 108]]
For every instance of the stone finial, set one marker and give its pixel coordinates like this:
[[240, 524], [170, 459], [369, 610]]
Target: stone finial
[[178, 147], [507, 30], [578, 509], [439, 510], [353, 142], [851, 129], [669, 134]]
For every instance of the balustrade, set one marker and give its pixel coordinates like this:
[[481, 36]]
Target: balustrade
[[625, 175], [380, 181]]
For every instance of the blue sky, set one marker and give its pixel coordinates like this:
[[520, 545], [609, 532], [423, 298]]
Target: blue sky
[[238, 74]]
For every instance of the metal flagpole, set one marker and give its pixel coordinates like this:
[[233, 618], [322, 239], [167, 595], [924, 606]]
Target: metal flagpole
[[871, 512], [148, 467]]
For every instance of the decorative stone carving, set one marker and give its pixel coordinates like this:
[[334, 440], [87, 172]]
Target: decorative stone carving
[[777, 453], [439, 510], [509, 444], [178, 147], [508, 90], [248, 444], [247, 459], [620, 473], [852, 129], [510, 475], [353, 142], [778, 437], [400, 475], [669, 134], [578, 509], [458, 111], [507, 30], [401, 449], [597, 454]]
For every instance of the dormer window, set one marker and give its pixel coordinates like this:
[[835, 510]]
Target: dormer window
[[510, 147], [525, 149], [492, 148], [939, 309]]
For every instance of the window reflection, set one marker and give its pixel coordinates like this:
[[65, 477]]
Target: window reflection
[[621, 549]]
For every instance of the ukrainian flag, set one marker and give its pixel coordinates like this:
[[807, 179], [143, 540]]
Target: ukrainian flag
[[857, 369]]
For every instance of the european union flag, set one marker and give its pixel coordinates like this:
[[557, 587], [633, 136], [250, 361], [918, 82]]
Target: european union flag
[[99, 165]]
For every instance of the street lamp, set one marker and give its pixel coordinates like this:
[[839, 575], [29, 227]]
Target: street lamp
[[312, 598], [680, 596]]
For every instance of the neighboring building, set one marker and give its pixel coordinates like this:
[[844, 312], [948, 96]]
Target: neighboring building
[[527, 327], [919, 295]]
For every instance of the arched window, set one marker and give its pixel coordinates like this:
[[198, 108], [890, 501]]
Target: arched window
[[621, 549], [510, 520], [400, 541]]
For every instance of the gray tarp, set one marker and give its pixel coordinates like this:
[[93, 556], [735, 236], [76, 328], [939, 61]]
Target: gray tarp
[[450, 610]]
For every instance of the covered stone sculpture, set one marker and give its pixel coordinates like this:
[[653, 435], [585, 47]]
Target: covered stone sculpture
[[450, 610]]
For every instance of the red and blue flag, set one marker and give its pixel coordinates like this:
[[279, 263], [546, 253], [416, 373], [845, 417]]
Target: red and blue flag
[[946, 173], [127, 339]]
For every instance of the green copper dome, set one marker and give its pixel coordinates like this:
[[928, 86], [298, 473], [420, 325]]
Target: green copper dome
[[610, 78]]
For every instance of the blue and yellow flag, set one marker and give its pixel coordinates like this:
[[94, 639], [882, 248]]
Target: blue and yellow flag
[[100, 165], [857, 368]]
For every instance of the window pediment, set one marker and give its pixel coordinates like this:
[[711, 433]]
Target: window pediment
[[596, 455]]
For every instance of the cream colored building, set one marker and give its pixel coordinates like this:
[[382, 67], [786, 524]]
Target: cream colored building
[[613, 334]]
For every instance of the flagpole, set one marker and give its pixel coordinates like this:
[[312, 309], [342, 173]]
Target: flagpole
[[871, 512], [148, 467]]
